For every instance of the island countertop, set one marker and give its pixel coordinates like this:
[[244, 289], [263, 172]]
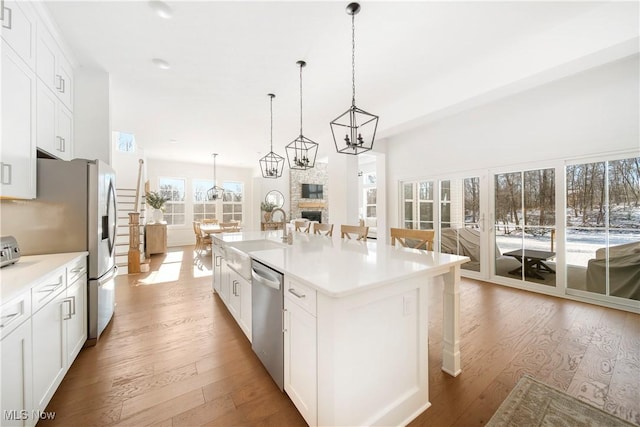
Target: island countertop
[[340, 267]]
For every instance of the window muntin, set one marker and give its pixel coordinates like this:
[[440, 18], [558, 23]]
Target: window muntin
[[203, 208], [232, 201], [173, 189]]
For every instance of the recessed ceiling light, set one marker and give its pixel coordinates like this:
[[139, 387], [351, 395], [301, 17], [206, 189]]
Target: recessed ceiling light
[[173, 141], [161, 63], [161, 9]]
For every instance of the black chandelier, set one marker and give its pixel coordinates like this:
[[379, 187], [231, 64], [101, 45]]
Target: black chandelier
[[272, 164], [358, 126], [301, 152], [215, 192]]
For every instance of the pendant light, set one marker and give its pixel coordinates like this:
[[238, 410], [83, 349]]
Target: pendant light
[[358, 126], [215, 192], [272, 164], [301, 152]]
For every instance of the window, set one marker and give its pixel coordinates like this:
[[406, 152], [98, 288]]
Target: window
[[125, 142], [232, 201], [603, 227], [369, 195], [173, 189], [418, 205], [525, 208], [202, 207]]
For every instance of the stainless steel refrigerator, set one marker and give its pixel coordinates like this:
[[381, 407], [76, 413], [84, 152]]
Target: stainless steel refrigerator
[[78, 200]]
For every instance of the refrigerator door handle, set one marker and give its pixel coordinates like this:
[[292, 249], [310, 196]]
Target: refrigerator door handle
[[111, 219]]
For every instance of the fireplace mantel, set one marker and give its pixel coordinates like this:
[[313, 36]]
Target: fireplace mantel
[[316, 205]]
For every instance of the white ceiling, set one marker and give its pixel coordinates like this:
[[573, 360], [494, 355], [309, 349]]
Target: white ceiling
[[226, 56]]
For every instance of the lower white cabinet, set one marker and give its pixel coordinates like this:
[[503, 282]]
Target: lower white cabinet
[[224, 281], [49, 349], [17, 407], [245, 307], [300, 359], [76, 321], [234, 297]]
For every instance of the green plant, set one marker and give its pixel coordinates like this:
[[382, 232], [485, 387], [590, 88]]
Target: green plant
[[155, 200], [268, 206]]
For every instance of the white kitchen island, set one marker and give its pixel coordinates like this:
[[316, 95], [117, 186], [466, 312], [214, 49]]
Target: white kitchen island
[[356, 326]]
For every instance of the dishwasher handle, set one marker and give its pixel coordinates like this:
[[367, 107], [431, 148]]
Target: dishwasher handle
[[264, 278]]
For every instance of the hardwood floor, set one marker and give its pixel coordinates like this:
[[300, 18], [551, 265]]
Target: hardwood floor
[[174, 356]]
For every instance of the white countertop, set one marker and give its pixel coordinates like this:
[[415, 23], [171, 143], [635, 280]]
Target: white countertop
[[29, 270], [340, 267]]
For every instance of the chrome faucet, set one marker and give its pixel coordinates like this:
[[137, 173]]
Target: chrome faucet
[[284, 223]]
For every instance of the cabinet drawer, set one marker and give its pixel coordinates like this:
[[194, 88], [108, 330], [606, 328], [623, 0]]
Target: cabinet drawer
[[300, 294], [14, 312], [76, 270], [44, 292]]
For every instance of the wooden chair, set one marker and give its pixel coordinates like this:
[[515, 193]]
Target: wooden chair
[[209, 221], [196, 231], [417, 239], [323, 229], [229, 226], [354, 230], [302, 225]]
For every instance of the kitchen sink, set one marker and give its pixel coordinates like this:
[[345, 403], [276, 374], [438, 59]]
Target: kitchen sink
[[238, 254]]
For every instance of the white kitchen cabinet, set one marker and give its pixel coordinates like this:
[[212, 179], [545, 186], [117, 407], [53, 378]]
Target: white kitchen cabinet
[[49, 346], [234, 301], [17, 396], [217, 267], [54, 124], [300, 352], [245, 307], [19, 30], [76, 322], [18, 149], [224, 282], [52, 66]]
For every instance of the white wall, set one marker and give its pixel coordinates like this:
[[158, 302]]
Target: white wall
[[183, 235], [92, 118], [593, 112]]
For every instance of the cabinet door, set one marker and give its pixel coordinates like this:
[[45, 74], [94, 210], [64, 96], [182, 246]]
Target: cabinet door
[[245, 307], [18, 151], [217, 265], [46, 53], [46, 136], [234, 295], [18, 30], [76, 322], [49, 349], [224, 281], [65, 133], [16, 377], [300, 365]]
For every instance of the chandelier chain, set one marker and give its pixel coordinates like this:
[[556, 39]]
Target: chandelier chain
[[271, 111], [300, 99], [353, 59]]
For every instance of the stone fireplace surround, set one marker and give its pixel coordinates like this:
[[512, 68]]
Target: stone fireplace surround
[[316, 175]]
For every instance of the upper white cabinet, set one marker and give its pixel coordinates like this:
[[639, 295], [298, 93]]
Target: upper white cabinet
[[53, 68], [54, 124], [18, 148], [19, 30]]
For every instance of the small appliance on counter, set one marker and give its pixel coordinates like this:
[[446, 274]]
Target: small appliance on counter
[[9, 250]]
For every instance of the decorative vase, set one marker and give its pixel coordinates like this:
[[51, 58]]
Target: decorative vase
[[267, 216], [157, 215]]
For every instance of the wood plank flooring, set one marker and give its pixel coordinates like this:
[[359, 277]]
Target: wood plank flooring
[[173, 356]]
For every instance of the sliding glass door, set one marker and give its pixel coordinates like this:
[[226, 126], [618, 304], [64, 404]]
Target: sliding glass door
[[525, 226], [603, 228]]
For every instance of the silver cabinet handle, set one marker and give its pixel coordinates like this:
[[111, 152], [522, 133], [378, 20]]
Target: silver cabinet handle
[[6, 178], [6, 24], [73, 305], [59, 82], [64, 85], [284, 327], [59, 147], [69, 315], [64, 145], [78, 270], [218, 259], [296, 293], [8, 317]]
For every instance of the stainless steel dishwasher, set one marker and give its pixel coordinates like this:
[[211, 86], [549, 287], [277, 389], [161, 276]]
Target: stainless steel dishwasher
[[267, 319]]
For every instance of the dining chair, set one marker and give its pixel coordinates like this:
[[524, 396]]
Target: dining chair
[[198, 234], [210, 221], [348, 231], [417, 239], [323, 229], [302, 225]]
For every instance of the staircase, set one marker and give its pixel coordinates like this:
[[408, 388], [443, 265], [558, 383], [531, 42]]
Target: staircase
[[125, 201]]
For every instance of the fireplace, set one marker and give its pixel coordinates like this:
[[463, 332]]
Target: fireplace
[[312, 215]]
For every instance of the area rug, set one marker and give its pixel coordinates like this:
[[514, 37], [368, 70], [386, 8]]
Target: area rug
[[532, 403]]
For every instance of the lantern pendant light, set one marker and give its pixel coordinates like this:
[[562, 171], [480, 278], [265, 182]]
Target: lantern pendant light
[[357, 126], [301, 152], [215, 192], [272, 164]]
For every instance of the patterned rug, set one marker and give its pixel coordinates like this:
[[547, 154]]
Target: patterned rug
[[532, 403]]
